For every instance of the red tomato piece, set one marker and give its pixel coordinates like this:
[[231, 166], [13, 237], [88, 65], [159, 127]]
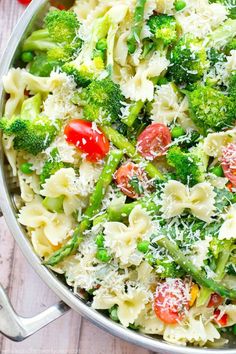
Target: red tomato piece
[[171, 301], [124, 176], [220, 320], [88, 139], [153, 141], [228, 162], [215, 300], [24, 2]]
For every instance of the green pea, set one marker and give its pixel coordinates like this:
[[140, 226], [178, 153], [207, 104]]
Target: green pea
[[143, 246], [26, 168], [113, 313], [54, 204], [101, 44], [177, 132], [27, 57], [180, 5], [217, 170], [100, 240], [102, 255]]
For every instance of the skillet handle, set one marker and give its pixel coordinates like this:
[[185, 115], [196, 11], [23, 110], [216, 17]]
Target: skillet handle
[[18, 328]]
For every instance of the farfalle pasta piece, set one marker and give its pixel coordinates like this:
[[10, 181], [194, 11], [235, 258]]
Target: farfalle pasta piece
[[64, 183], [228, 228], [199, 199], [15, 83], [56, 227], [140, 87], [168, 106], [122, 239], [215, 142]]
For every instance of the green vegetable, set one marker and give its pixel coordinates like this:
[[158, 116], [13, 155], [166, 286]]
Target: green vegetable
[[123, 144], [143, 246], [189, 167], [32, 133], [26, 168], [179, 5], [234, 330], [42, 66], [101, 44], [197, 275], [62, 25], [102, 101], [136, 185], [103, 256], [54, 204], [188, 60], [134, 111], [51, 166], [222, 251], [113, 313], [95, 201], [211, 109], [177, 132], [167, 269], [27, 57], [164, 28], [217, 170], [137, 25], [100, 240]]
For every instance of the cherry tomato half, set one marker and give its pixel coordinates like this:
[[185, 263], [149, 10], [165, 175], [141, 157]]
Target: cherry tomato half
[[171, 301], [228, 162], [24, 2], [130, 179], [215, 300], [220, 320], [154, 140], [90, 141]]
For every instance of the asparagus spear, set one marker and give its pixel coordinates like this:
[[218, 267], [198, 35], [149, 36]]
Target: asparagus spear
[[196, 274], [123, 144], [95, 200], [134, 37], [135, 109]]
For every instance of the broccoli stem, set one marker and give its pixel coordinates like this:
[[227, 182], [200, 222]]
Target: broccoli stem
[[123, 144], [95, 201], [135, 109], [134, 37], [39, 40], [179, 257]]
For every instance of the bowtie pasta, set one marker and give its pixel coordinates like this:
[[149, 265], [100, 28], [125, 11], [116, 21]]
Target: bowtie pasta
[[119, 125]]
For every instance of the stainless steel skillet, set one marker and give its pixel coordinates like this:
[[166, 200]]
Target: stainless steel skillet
[[16, 327]]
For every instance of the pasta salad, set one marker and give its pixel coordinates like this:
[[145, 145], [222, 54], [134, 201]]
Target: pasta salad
[[120, 127]]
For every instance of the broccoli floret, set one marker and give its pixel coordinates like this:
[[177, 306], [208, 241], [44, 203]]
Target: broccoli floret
[[42, 66], [211, 109], [84, 74], [58, 39], [163, 27], [51, 166], [230, 46], [188, 60], [32, 133], [189, 167], [102, 101], [168, 269], [62, 25]]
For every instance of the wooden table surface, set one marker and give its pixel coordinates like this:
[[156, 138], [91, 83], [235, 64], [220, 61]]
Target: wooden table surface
[[70, 334]]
